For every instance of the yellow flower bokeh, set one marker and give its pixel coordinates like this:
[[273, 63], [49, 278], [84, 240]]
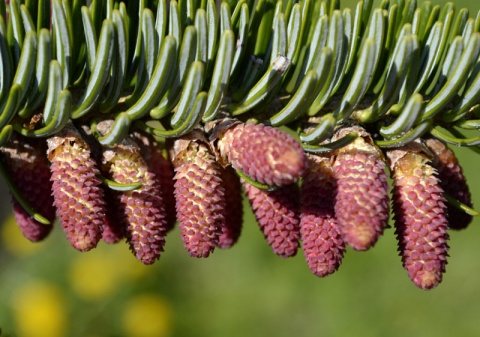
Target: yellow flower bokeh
[[93, 276], [147, 315], [39, 311], [98, 274], [13, 240]]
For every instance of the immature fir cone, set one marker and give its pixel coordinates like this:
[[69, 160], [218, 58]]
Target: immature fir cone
[[263, 153], [199, 195], [452, 181], [420, 216], [28, 167], [114, 228], [233, 211], [277, 213], [76, 189], [142, 210], [163, 169], [322, 242], [362, 202]]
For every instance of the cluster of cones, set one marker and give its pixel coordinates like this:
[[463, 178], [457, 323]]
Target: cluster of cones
[[324, 201]]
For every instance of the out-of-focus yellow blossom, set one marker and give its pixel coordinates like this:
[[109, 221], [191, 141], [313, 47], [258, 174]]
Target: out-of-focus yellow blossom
[[128, 266], [93, 276], [14, 242], [39, 311], [147, 315], [99, 273]]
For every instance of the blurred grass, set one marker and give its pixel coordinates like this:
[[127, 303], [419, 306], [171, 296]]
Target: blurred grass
[[244, 291]]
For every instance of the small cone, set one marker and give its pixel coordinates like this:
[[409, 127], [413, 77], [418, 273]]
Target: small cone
[[277, 213], [162, 167], [28, 167], [420, 216], [142, 211], [452, 182], [233, 210], [362, 201], [263, 153], [76, 189], [323, 245], [114, 228], [199, 195]]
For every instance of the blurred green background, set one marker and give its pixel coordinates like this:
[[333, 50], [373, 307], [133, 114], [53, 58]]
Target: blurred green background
[[48, 289]]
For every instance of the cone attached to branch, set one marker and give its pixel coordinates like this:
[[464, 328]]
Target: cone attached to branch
[[263, 153], [452, 181], [142, 210], [362, 202], [79, 198], [162, 167], [277, 213], [233, 210], [420, 215], [323, 245], [199, 195], [28, 167], [114, 228]]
